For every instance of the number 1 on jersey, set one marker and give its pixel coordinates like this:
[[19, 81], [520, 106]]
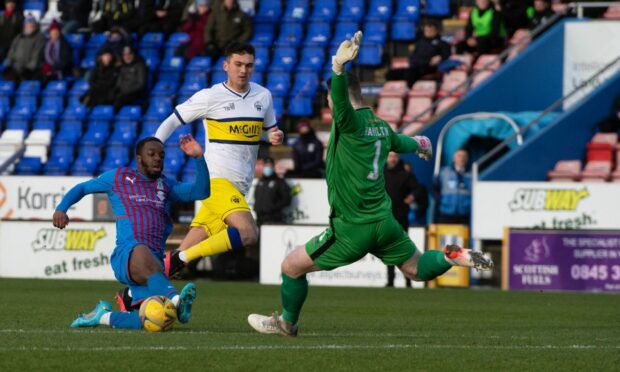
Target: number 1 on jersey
[[374, 174]]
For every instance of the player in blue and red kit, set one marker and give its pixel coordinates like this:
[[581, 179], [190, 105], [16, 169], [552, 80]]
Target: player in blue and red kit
[[141, 202]]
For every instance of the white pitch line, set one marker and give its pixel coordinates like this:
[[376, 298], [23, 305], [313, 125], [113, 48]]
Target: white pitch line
[[302, 347]]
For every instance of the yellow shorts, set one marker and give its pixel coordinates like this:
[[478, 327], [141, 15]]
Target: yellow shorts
[[224, 200]]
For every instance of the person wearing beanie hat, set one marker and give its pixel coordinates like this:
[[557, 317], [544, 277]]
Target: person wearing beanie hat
[[131, 82], [11, 23], [102, 79], [22, 61], [56, 58]]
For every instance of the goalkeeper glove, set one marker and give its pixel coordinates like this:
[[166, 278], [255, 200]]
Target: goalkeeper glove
[[425, 148], [347, 51]]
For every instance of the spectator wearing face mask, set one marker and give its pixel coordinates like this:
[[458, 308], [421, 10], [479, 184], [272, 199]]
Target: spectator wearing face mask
[[271, 195], [307, 153]]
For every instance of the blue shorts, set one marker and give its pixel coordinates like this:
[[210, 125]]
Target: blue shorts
[[120, 266]]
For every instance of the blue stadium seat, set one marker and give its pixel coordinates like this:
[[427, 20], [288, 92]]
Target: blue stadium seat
[[324, 10], [264, 34], [149, 127], [343, 31], [300, 106], [87, 160], [319, 34], [261, 59], [7, 88], [55, 88], [164, 88], [403, 30], [148, 53], [129, 113], [370, 55], [189, 88], [258, 78], [291, 34], [97, 132], [77, 112], [306, 83], [352, 10], [199, 64], [296, 11], [29, 166], [375, 32], [102, 113], [159, 109], [437, 8], [77, 45], [152, 40], [407, 10], [124, 132], [312, 59], [269, 11], [45, 124], [176, 39], [170, 69], [88, 62], [218, 77], [115, 157], [69, 132], [196, 77], [284, 59], [24, 108], [18, 124], [152, 62], [51, 108], [278, 105], [96, 41], [29, 88], [279, 83], [218, 65], [79, 88], [379, 10], [59, 161], [174, 160]]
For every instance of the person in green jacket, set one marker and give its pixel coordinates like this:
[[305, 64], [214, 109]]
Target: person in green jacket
[[227, 23], [484, 32]]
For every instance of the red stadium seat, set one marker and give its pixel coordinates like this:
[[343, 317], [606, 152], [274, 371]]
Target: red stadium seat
[[445, 104], [390, 109], [596, 171], [602, 147], [487, 62], [451, 81], [423, 88], [565, 171], [480, 76], [399, 63], [412, 129], [416, 106], [396, 88]]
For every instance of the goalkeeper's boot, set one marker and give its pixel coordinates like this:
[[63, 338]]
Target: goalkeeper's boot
[[187, 297], [92, 319], [459, 256], [172, 264], [273, 324]]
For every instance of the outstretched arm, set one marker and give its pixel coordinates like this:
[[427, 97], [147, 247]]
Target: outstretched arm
[[60, 218], [201, 188], [421, 145], [339, 92], [197, 106]]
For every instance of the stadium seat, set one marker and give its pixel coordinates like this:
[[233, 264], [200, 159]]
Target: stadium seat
[[55, 88], [79, 88], [188, 89], [324, 10], [306, 83], [29, 88], [159, 109], [46, 124], [487, 62], [261, 59], [149, 127], [379, 10], [28, 166], [129, 113], [269, 11], [403, 30], [60, 159], [370, 55], [7, 89], [300, 105], [423, 88], [596, 171], [97, 132], [164, 88], [51, 108], [69, 132], [453, 84], [17, 124], [319, 34], [170, 69], [95, 42], [352, 10], [116, 156], [437, 8], [176, 39], [77, 112], [284, 59], [565, 171], [390, 108], [343, 31], [258, 78], [152, 40], [174, 160], [278, 105], [195, 77], [602, 147], [264, 34], [296, 10], [407, 10], [375, 32], [102, 113], [24, 109], [279, 82], [124, 132], [445, 103], [218, 77], [395, 88], [77, 45], [312, 59], [37, 143], [87, 160], [412, 129], [480, 76], [417, 106], [291, 34], [199, 64]]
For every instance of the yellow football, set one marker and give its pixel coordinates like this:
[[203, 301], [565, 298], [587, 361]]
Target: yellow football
[[157, 314]]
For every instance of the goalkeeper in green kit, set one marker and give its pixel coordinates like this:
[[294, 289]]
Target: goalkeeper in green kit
[[361, 220]]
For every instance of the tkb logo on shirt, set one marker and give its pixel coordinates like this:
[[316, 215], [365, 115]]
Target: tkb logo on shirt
[[258, 106]]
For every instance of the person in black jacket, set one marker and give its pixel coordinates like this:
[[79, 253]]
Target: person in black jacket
[[11, 23], [515, 14], [56, 58], [131, 83], [74, 14], [271, 195], [307, 153], [430, 50], [102, 80], [542, 13], [401, 186]]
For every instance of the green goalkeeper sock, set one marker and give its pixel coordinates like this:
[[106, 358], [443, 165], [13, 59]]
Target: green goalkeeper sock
[[294, 293], [432, 264]]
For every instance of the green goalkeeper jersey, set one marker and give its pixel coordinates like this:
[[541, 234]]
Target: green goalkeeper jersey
[[358, 147]]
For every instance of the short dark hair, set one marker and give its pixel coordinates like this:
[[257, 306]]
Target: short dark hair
[[144, 141], [355, 90], [237, 47]]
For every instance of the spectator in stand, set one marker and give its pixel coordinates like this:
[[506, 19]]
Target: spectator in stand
[[106, 14], [484, 32], [102, 81], [131, 83], [612, 123], [429, 52], [143, 10], [542, 13], [165, 18], [516, 14], [307, 153], [453, 191], [117, 40], [22, 61], [11, 24], [74, 14], [194, 26], [227, 23], [56, 58], [400, 186], [271, 195]]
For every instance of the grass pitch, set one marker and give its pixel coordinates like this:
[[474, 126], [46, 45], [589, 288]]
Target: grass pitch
[[342, 329]]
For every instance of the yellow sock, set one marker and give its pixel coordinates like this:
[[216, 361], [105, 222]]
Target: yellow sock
[[219, 243]]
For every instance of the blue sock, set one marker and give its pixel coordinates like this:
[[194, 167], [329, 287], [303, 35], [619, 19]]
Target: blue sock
[[159, 285], [125, 320]]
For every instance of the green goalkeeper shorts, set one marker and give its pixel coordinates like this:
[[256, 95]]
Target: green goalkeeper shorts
[[343, 243]]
